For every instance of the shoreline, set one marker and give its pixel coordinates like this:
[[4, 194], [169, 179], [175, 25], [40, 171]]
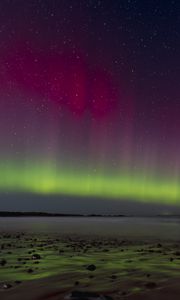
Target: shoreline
[[48, 214]]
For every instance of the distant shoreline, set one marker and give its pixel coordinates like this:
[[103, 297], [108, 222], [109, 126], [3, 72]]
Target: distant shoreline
[[46, 214]]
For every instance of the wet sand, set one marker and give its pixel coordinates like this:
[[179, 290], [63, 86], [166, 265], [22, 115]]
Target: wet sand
[[52, 266]]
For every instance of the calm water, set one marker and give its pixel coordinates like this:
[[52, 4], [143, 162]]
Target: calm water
[[126, 227]]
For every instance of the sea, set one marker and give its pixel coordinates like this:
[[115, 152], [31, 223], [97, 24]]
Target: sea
[[162, 228]]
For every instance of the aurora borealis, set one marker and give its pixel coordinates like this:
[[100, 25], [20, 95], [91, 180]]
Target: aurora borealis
[[89, 99], [45, 180]]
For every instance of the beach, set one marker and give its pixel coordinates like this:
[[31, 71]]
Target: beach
[[43, 264]]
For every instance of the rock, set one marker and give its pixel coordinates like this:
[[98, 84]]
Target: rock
[[91, 267], [30, 270], [61, 251], [129, 261], [113, 277], [151, 251], [3, 262], [17, 281], [6, 286], [36, 256]]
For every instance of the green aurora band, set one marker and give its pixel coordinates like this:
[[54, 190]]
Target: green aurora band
[[47, 180]]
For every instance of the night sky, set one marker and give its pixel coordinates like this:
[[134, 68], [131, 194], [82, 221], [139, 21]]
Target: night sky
[[90, 105]]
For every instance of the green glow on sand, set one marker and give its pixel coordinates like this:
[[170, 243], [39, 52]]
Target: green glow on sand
[[48, 180]]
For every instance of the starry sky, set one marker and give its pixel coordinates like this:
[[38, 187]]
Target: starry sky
[[90, 105]]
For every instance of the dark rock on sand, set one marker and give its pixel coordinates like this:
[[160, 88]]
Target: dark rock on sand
[[30, 270], [36, 256], [171, 259], [17, 281], [61, 251], [91, 267], [6, 286], [3, 262], [113, 277]]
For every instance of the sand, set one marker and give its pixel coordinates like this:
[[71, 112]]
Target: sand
[[37, 267]]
